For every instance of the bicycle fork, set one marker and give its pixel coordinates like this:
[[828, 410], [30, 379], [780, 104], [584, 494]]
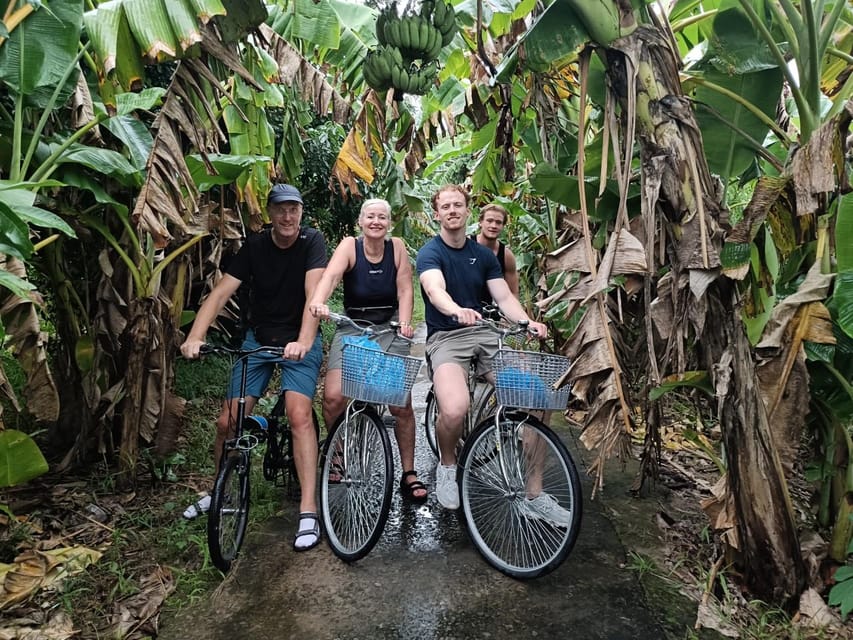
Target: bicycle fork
[[353, 444], [508, 439]]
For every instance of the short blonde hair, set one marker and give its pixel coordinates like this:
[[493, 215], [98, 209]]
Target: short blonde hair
[[372, 201]]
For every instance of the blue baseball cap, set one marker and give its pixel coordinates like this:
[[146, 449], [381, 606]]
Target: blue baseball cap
[[284, 193]]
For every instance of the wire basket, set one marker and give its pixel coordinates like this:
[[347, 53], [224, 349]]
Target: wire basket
[[371, 375], [526, 379]]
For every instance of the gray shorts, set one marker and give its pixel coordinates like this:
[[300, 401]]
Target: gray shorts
[[463, 346], [388, 342]]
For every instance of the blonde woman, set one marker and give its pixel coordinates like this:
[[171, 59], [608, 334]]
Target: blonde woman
[[377, 279]]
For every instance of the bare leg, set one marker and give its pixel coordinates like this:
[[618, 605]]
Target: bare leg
[[334, 402], [405, 433], [450, 383], [299, 414]]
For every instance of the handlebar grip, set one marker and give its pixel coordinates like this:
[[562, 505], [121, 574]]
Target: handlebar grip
[[206, 349]]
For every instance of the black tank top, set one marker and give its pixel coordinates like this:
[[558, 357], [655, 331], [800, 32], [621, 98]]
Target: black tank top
[[485, 296], [370, 290]]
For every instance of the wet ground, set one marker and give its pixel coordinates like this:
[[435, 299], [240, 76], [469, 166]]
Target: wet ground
[[424, 580]]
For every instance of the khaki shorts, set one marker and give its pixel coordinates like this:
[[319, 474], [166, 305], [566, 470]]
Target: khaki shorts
[[462, 346], [388, 342]]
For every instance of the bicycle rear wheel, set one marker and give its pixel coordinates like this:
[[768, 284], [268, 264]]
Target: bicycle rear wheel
[[520, 494], [356, 483], [229, 510], [483, 405], [430, 418]]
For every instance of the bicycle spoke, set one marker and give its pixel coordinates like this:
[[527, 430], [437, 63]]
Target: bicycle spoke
[[355, 508]]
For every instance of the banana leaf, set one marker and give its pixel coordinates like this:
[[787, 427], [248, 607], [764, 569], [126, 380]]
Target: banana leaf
[[20, 458], [730, 132], [844, 233], [149, 22], [34, 59], [207, 9], [184, 23]]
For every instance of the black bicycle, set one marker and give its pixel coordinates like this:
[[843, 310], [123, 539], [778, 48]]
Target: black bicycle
[[229, 502]]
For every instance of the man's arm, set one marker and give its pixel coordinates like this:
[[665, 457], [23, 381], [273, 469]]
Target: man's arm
[[308, 330], [435, 288], [511, 307], [210, 308], [511, 271]]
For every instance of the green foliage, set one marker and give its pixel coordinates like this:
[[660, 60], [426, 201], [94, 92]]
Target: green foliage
[[331, 214], [841, 594], [20, 458], [202, 378]]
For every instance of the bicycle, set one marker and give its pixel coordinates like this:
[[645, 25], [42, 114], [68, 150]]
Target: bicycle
[[357, 464], [229, 501], [513, 469]]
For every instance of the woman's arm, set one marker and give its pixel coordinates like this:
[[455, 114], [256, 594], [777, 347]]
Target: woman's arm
[[405, 290], [342, 261]]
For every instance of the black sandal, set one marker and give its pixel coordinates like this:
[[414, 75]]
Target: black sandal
[[313, 531], [407, 489]]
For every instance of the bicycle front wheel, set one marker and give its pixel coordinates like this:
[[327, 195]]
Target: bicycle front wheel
[[356, 483], [520, 494], [229, 510]]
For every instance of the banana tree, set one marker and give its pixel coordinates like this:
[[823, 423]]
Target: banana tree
[[681, 207]]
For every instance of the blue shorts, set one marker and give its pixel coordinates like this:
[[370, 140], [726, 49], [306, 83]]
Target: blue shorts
[[296, 375]]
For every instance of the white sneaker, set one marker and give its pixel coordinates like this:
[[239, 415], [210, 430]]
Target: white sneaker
[[545, 507], [202, 505], [446, 489]]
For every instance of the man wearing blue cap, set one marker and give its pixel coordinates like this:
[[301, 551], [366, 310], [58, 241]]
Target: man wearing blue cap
[[281, 266]]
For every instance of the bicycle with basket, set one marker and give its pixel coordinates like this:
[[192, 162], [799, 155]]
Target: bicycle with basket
[[513, 463], [230, 499], [357, 464]]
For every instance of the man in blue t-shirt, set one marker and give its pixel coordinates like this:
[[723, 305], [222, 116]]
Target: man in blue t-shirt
[[453, 269], [281, 266]]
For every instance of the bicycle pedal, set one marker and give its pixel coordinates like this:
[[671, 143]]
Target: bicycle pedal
[[390, 422]]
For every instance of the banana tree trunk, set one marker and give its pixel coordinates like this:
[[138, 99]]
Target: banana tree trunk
[[680, 201], [147, 340]]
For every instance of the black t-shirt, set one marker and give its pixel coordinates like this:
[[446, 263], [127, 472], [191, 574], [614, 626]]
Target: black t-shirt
[[276, 277]]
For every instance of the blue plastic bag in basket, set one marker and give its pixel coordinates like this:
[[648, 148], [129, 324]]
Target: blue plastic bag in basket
[[518, 381], [376, 372]]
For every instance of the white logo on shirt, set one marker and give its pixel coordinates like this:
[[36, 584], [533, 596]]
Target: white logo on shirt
[[472, 260]]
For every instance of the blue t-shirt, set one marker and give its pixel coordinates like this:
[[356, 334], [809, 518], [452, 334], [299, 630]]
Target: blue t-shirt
[[466, 271]]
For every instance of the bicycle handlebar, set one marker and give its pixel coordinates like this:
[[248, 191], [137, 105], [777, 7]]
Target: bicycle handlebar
[[368, 330], [209, 349]]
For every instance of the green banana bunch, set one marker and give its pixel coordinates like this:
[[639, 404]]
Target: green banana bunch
[[414, 35], [377, 70], [385, 15], [444, 19]]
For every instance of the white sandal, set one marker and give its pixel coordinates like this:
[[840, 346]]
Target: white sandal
[[311, 528], [202, 505]]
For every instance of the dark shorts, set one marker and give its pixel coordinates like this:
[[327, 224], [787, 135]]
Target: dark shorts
[[296, 375]]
